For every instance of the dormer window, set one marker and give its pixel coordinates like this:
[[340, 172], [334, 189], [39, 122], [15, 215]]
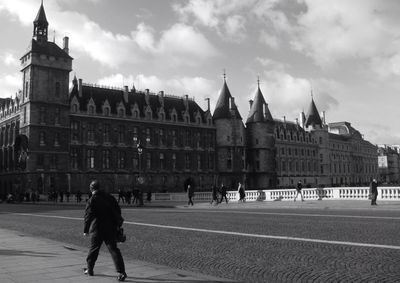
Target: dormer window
[[121, 112], [91, 110], [135, 114], [106, 111], [74, 108], [148, 115]]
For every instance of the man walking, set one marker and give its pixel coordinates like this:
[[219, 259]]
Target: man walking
[[190, 192], [373, 189], [298, 191], [103, 219], [223, 193]]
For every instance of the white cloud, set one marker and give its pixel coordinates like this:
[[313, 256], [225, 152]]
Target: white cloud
[[9, 84], [144, 37], [288, 95], [361, 29], [183, 40], [9, 59], [235, 27], [181, 43], [226, 17]]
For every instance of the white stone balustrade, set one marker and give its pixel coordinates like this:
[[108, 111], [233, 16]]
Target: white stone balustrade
[[350, 193]]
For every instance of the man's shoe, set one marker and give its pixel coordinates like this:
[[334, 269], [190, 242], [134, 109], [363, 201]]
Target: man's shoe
[[88, 272], [122, 276]]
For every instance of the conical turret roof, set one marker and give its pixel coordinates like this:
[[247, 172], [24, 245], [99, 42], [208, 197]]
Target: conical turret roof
[[41, 17], [313, 117], [222, 109], [259, 111]]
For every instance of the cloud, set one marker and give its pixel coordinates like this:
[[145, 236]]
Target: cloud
[[9, 84], [181, 43], [288, 95], [9, 59], [227, 18], [235, 27], [359, 29], [183, 40]]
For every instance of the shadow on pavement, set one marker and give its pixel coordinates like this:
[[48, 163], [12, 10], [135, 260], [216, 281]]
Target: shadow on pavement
[[8, 252]]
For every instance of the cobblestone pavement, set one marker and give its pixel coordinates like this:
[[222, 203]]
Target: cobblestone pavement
[[246, 258]]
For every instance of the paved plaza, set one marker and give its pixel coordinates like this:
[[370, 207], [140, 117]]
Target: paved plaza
[[30, 259], [26, 257]]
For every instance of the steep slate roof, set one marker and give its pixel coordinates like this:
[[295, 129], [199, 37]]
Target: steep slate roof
[[222, 110], [313, 115], [257, 109], [48, 48], [116, 96], [41, 17]]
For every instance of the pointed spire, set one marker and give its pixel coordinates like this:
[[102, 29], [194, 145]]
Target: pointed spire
[[75, 80], [259, 111], [40, 25], [223, 109], [313, 117]]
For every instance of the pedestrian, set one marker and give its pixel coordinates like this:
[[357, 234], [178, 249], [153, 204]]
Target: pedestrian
[[103, 219], [67, 195], [121, 196], [223, 192], [214, 192], [78, 196], [148, 196], [298, 191], [373, 190], [242, 193], [190, 193]]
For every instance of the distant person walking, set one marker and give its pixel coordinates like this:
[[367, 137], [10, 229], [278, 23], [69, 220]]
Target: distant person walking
[[223, 192], [373, 190], [103, 219], [242, 193], [214, 192], [299, 187], [190, 193]]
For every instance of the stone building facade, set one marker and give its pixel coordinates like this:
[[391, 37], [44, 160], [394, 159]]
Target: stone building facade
[[56, 138], [389, 164]]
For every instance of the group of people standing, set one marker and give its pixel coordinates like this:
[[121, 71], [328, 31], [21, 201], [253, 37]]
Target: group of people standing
[[223, 192]]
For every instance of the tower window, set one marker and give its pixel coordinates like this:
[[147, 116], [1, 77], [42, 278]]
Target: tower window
[[58, 89]]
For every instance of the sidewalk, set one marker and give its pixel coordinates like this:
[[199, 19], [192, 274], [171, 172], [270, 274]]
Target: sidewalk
[[36, 260], [307, 204]]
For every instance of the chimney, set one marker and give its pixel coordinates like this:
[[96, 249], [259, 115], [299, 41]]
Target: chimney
[[208, 103], [147, 96], [323, 117], [301, 119], [284, 119], [251, 103], [161, 97], [126, 93], [186, 101], [80, 87], [66, 44], [297, 121]]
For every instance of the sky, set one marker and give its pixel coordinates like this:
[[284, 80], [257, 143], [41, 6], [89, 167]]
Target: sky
[[346, 53]]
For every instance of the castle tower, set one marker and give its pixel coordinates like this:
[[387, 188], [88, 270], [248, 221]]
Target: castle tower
[[260, 144], [314, 124], [44, 107], [230, 140]]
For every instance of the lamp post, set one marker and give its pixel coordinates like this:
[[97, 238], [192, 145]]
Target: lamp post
[[140, 149]]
